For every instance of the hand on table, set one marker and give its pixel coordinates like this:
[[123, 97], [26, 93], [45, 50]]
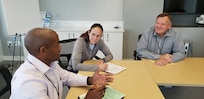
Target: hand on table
[[97, 92], [167, 57], [102, 66], [161, 62]]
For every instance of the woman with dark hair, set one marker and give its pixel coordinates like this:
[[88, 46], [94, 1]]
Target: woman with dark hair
[[86, 48]]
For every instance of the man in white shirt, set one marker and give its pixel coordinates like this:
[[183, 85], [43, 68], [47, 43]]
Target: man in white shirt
[[40, 77]]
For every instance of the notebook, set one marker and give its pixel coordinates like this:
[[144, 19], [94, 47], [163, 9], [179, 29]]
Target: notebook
[[114, 69], [110, 93]]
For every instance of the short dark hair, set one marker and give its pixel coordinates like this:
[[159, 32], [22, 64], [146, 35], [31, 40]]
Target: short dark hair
[[165, 15], [36, 38]]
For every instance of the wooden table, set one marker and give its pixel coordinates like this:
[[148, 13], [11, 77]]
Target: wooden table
[[135, 82], [188, 72]]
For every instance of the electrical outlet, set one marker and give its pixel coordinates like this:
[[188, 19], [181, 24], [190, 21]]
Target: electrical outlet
[[9, 43]]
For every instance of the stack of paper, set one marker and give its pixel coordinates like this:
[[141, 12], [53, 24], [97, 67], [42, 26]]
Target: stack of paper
[[114, 69]]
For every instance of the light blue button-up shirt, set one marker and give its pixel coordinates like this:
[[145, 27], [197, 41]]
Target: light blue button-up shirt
[[151, 46]]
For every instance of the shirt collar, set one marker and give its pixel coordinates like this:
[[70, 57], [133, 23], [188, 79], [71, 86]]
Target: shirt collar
[[38, 64], [168, 33]]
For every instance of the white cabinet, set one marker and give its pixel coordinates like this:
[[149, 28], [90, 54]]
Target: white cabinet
[[68, 35], [74, 34], [62, 35], [115, 43]]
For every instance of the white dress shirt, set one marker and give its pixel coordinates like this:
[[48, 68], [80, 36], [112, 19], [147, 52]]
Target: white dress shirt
[[35, 80]]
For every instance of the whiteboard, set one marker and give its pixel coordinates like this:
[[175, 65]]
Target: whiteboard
[[21, 15]]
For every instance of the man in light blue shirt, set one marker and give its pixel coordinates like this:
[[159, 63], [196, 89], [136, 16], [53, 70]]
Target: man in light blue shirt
[[161, 43], [40, 77]]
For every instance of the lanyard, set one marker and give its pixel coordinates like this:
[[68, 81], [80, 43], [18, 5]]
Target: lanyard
[[56, 88], [160, 44]]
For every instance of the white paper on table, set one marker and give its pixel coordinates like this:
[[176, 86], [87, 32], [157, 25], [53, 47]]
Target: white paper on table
[[114, 69]]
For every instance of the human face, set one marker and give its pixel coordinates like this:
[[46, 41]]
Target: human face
[[53, 51], [162, 25], [95, 35]]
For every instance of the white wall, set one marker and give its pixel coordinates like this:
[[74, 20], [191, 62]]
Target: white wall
[[195, 36], [138, 16], [84, 10], [21, 15]]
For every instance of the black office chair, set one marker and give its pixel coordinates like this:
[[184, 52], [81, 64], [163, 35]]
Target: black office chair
[[5, 83], [66, 52], [136, 57], [188, 49]]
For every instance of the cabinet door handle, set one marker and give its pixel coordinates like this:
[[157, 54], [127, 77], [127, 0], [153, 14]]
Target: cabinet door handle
[[73, 35], [107, 37], [68, 35]]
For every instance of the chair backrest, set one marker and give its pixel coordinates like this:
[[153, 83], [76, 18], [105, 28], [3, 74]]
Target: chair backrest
[[139, 36], [67, 46], [136, 57], [5, 82], [188, 50]]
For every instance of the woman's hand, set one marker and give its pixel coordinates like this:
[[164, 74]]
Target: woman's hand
[[102, 66]]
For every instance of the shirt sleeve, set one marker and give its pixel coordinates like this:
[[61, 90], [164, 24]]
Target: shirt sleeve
[[71, 79], [178, 48], [106, 51], [142, 46]]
